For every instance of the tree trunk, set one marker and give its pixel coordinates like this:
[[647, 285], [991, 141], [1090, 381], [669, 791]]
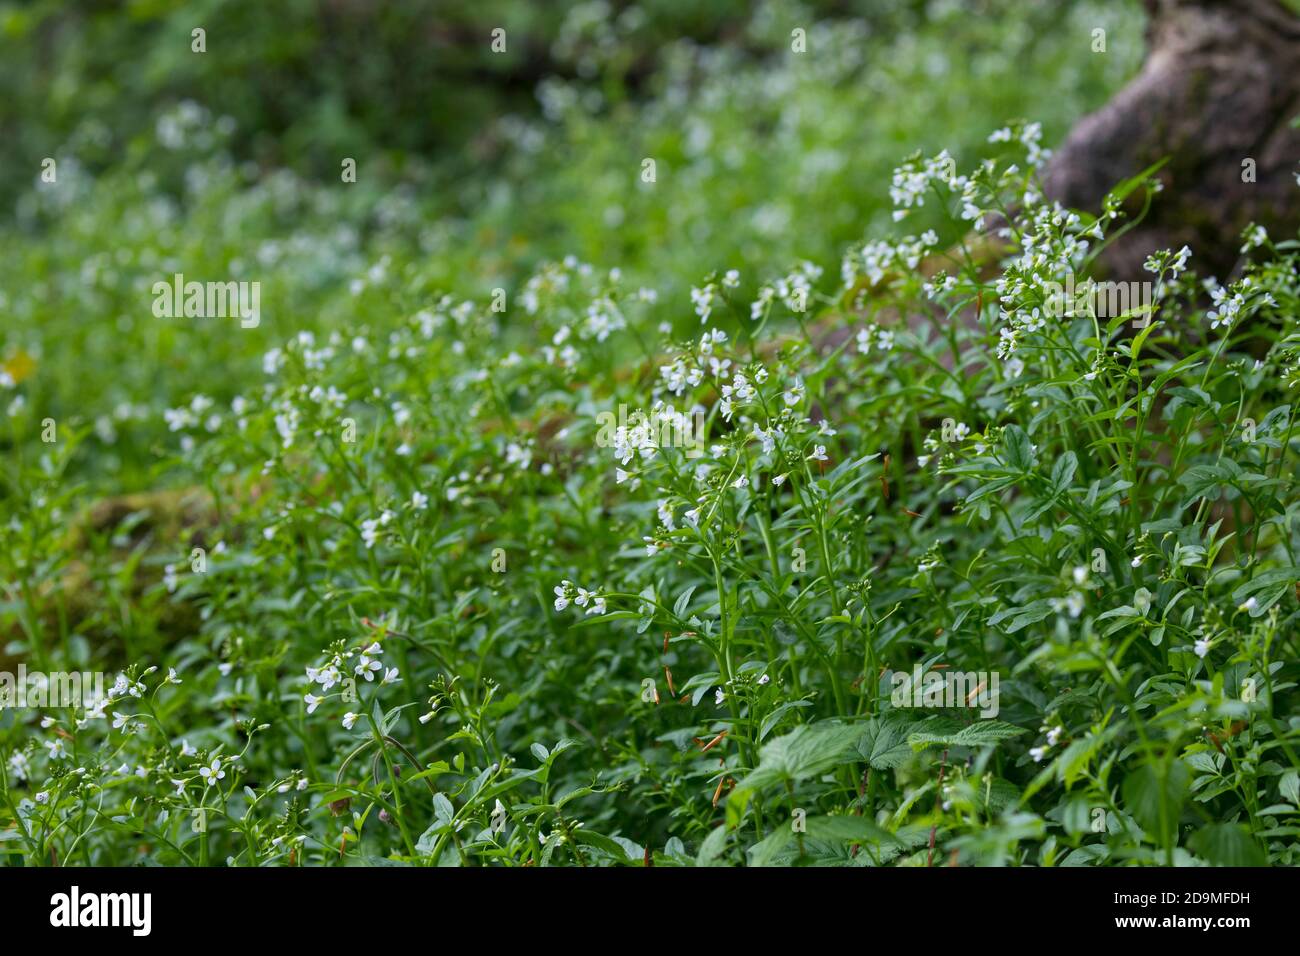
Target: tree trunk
[[1217, 95]]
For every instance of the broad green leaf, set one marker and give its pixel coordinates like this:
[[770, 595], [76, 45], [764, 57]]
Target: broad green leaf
[[1155, 794], [807, 751], [1227, 844]]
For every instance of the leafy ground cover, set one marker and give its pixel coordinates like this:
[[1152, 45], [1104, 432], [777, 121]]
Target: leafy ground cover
[[557, 515]]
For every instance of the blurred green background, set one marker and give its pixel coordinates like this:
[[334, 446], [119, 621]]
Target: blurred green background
[[472, 166]]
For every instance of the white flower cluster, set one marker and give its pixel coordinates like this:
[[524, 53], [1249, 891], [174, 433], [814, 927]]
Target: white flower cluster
[[1053, 734], [566, 592], [685, 372], [1029, 135], [371, 528], [876, 259], [794, 290], [339, 669], [1234, 302]]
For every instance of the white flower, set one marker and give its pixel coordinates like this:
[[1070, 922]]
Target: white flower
[[313, 702], [1202, 647], [819, 453], [327, 677], [419, 501], [119, 720], [561, 596], [1256, 236], [719, 697], [370, 531], [703, 301], [20, 765], [1074, 603], [519, 455], [213, 773], [349, 720]]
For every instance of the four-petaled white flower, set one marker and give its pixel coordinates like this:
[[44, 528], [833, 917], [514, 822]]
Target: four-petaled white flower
[[213, 773]]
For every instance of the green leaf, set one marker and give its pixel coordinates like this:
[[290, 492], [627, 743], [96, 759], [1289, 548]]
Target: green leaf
[[443, 811], [884, 742], [1227, 844], [604, 843], [774, 718], [763, 852], [1063, 471], [1267, 589], [712, 846], [1020, 452], [683, 601], [1289, 785], [807, 751], [981, 733], [845, 829], [1154, 795]]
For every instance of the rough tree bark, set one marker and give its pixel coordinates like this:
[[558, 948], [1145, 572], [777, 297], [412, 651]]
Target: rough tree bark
[[1220, 86]]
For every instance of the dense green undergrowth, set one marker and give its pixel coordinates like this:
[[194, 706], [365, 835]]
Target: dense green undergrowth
[[631, 560]]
